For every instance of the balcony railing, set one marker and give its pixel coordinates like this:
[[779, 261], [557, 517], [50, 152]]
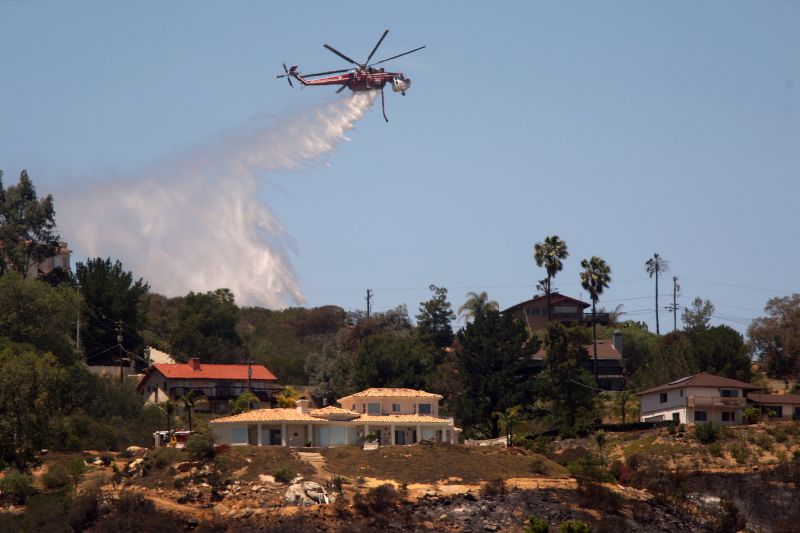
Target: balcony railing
[[227, 392], [715, 401]]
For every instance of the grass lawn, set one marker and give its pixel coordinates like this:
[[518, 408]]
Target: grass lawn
[[428, 464]]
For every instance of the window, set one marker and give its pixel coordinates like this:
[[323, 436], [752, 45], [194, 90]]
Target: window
[[395, 407], [700, 416], [728, 416], [662, 398], [239, 436], [374, 408], [424, 408], [729, 393]]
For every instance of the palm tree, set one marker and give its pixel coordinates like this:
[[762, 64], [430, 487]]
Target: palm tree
[[656, 265], [188, 400], [595, 277], [288, 397], [507, 420], [168, 408], [476, 304], [550, 254]]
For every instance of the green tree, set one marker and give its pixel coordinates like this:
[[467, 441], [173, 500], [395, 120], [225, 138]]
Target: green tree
[[655, 266], [776, 337], [388, 360], [288, 397], [475, 305], [187, 401], [639, 345], [550, 254], [622, 400], [30, 384], [116, 305], [205, 327], [672, 358], [697, 317], [27, 226], [595, 278], [38, 314], [434, 318], [244, 402], [493, 358], [721, 350], [564, 382]]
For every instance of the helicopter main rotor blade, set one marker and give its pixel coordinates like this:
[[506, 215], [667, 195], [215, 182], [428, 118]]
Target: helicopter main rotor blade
[[287, 76], [376, 47], [338, 53], [398, 55], [328, 72]]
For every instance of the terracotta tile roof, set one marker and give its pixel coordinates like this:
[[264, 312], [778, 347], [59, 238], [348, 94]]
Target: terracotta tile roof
[[403, 419], [293, 415], [333, 412], [703, 380], [211, 371], [605, 350], [392, 393], [266, 415], [791, 399]]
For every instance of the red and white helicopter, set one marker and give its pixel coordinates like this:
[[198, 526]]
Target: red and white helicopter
[[364, 77]]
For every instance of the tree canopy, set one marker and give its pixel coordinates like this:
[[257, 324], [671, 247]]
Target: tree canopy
[[697, 317], [776, 337], [435, 317], [205, 327], [27, 226], [116, 304]]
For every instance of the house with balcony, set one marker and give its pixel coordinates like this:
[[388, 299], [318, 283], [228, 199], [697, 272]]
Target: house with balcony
[[392, 416], [569, 311], [215, 384], [697, 399]]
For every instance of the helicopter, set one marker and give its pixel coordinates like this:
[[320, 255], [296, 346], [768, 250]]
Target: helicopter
[[363, 77]]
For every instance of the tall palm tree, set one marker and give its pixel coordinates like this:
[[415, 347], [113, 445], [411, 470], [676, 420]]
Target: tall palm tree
[[507, 419], [595, 278], [188, 400], [656, 265], [550, 254], [476, 304]]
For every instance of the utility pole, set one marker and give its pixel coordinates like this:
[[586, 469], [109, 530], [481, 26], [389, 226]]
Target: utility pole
[[674, 307], [369, 301], [119, 347]]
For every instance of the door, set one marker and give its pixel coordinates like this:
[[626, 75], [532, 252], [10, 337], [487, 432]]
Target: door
[[400, 437], [274, 437], [797, 413], [676, 417], [252, 435]]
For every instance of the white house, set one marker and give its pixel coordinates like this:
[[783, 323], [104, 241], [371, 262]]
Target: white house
[[392, 415], [699, 398]]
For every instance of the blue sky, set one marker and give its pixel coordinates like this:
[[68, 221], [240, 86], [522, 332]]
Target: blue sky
[[626, 128]]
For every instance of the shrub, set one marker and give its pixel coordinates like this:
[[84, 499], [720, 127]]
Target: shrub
[[590, 468], [106, 459], [715, 449], [76, 469], [82, 510], [780, 435], [201, 447], [764, 441], [376, 500], [672, 428], [573, 526], [56, 476], [751, 415], [536, 525], [599, 497], [16, 486], [620, 471], [494, 487], [371, 436], [740, 453], [285, 475], [707, 432]]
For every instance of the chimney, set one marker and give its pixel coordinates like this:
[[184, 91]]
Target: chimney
[[195, 362], [302, 406], [616, 340]]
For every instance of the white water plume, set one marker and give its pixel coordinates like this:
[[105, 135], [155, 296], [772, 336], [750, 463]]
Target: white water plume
[[197, 223]]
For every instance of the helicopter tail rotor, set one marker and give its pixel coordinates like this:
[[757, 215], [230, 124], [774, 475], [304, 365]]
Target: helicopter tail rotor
[[289, 72]]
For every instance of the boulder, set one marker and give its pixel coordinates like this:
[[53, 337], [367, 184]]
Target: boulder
[[306, 493], [183, 466], [135, 467], [136, 450]]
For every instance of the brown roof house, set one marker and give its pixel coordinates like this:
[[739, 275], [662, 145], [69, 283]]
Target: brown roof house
[[569, 311], [696, 399], [778, 406], [610, 365], [218, 384], [394, 416]]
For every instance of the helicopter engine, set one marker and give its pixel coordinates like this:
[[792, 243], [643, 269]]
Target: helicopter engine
[[401, 84]]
